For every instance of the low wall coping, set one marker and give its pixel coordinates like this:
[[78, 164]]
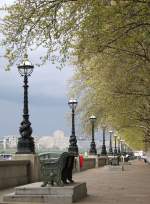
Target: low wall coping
[[14, 162], [89, 158]]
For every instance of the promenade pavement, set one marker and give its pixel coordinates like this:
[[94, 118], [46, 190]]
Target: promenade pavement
[[111, 185]]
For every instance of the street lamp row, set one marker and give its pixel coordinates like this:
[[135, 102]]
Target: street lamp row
[[116, 151], [26, 141]]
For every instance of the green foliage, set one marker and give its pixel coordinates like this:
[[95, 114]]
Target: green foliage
[[50, 24], [112, 78], [134, 137]]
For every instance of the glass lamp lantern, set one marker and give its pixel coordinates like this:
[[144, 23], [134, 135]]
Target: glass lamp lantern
[[25, 68], [92, 118], [72, 103]]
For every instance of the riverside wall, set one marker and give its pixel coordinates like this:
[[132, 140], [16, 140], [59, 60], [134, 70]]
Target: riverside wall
[[14, 173], [25, 169]]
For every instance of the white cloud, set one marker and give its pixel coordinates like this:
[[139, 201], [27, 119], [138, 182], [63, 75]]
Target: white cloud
[[57, 140]]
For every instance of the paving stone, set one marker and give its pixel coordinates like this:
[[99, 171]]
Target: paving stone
[[114, 186]]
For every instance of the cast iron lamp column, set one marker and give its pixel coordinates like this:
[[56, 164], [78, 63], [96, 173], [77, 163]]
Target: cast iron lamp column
[[115, 149], [26, 141], [125, 148], [93, 150], [119, 152], [73, 148], [110, 143], [121, 142], [104, 152]]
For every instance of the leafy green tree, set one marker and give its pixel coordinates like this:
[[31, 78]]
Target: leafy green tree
[[114, 66], [50, 24]]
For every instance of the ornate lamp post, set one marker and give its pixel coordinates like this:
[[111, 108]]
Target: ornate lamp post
[[115, 149], [26, 141], [73, 141], [125, 148], [110, 143], [119, 152], [122, 149], [104, 152], [93, 150]]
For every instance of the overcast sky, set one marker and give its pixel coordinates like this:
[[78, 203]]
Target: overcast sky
[[47, 97]]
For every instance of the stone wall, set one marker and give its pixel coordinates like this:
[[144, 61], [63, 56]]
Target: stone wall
[[13, 173], [34, 170], [88, 163], [93, 162], [148, 156], [25, 169], [102, 161]]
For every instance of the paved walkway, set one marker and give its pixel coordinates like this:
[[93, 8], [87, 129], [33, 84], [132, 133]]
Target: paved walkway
[[111, 185]]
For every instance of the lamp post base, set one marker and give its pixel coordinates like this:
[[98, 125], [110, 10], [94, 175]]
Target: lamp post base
[[110, 151], [115, 152], [119, 153], [93, 150], [103, 152], [73, 148], [25, 146]]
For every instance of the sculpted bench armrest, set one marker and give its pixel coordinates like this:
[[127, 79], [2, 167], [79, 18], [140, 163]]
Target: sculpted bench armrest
[[57, 171]]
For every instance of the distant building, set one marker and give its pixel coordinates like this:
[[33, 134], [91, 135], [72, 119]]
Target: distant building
[[7, 142], [56, 141]]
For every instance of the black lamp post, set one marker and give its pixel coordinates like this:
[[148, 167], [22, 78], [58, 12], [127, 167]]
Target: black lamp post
[[104, 152], [119, 152], [125, 148], [110, 143], [122, 149], [73, 141], [115, 149], [26, 141], [93, 150]]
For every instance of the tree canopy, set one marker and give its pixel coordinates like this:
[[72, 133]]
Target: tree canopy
[[108, 43]]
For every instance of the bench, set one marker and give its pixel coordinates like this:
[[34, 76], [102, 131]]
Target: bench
[[57, 169]]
